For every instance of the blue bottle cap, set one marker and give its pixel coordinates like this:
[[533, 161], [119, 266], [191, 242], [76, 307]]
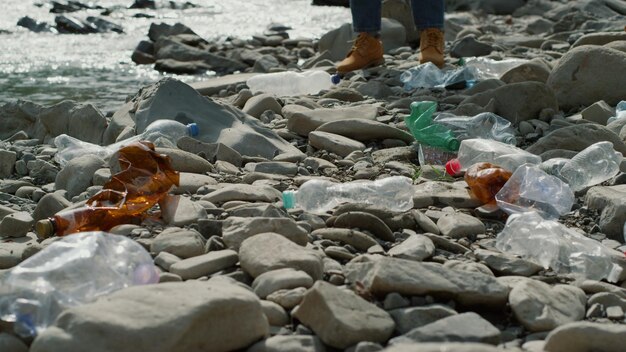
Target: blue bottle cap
[[289, 199], [193, 129], [335, 79]]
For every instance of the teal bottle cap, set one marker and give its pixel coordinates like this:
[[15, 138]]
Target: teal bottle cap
[[289, 199]]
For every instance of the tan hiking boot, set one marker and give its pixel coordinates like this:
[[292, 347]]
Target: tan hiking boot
[[431, 46], [367, 51]]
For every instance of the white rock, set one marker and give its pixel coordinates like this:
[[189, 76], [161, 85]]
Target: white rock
[[204, 265], [275, 280]]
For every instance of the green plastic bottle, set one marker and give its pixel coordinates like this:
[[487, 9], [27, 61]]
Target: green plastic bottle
[[421, 125]]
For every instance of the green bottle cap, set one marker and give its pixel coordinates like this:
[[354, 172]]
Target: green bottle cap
[[289, 199]]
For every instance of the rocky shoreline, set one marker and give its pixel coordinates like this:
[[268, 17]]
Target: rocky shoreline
[[238, 271]]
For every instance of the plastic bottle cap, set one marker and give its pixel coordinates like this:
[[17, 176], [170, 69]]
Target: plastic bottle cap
[[289, 199], [193, 129], [44, 228], [453, 166], [335, 79]]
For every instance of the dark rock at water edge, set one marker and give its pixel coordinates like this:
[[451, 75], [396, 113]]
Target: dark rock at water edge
[[153, 5], [71, 25], [344, 3], [71, 6], [35, 26]]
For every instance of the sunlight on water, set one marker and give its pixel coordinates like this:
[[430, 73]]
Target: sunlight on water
[[47, 68]]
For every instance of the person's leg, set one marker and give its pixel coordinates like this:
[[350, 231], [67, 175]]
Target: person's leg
[[367, 49], [366, 15], [428, 17], [428, 13]]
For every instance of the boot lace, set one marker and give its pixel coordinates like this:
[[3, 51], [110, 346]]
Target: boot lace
[[433, 40]]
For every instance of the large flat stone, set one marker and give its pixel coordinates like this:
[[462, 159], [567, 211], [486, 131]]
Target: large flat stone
[[236, 229]]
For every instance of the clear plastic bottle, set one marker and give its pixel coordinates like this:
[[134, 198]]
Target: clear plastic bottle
[[531, 189], [428, 75], [485, 125], [552, 245], [593, 165], [489, 68], [474, 151], [319, 196], [69, 148], [290, 83], [72, 271]]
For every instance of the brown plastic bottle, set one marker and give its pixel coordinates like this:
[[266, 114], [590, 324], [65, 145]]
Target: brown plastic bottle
[[485, 180], [144, 181]]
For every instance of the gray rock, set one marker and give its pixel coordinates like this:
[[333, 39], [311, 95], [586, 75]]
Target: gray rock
[[213, 152], [416, 247], [302, 120], [466, 327], [7, 163], [204, 265], [611, 201], [217, 123], [11, 254], [214, 85], [577, 138], [41, 171], [334, 143], [400, 10], [190, 183], [235, 230], [365, 221], [459, 225], [341, 318], [598, 112], [517, 102], [356, 239], [16, 224], [469, 46], [586, 336], [82, 121], [468, 266], [452, 194], [181, 243], [534, 70], [411, 318], [49, 205], [243, 192], [581, 78], [76, 176], [287, 298], [276, 315], [540, 307], [183, 161], [11, 343], [165, 260], [273, 167], [506, 264], [161, 318], [269, 251], [258, 104], [607, 299], [487, 6], [601, 38], [181, 211], [280, 279], [375, 89], [412, 278], [365, 130], [344, 94], [289, 343], [265, 63], [447, 346]]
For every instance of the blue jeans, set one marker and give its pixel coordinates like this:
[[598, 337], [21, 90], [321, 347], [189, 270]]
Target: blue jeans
[[366, 14]]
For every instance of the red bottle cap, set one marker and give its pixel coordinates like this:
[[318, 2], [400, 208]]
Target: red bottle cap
[[453, 167]]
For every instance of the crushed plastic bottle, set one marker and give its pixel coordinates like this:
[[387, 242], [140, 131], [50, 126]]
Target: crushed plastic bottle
[[421, 125], [473, 151], [144, 181], [69, 148], [69, 272], [428, 155], [555, 246], [593, 165], [290, 83], [319, 196], [487, 68], [428, 75], [485, 180], [620, 112], [531, 189], [485, 125]]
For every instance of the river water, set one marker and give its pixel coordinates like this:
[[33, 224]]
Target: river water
[[47, 68]]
